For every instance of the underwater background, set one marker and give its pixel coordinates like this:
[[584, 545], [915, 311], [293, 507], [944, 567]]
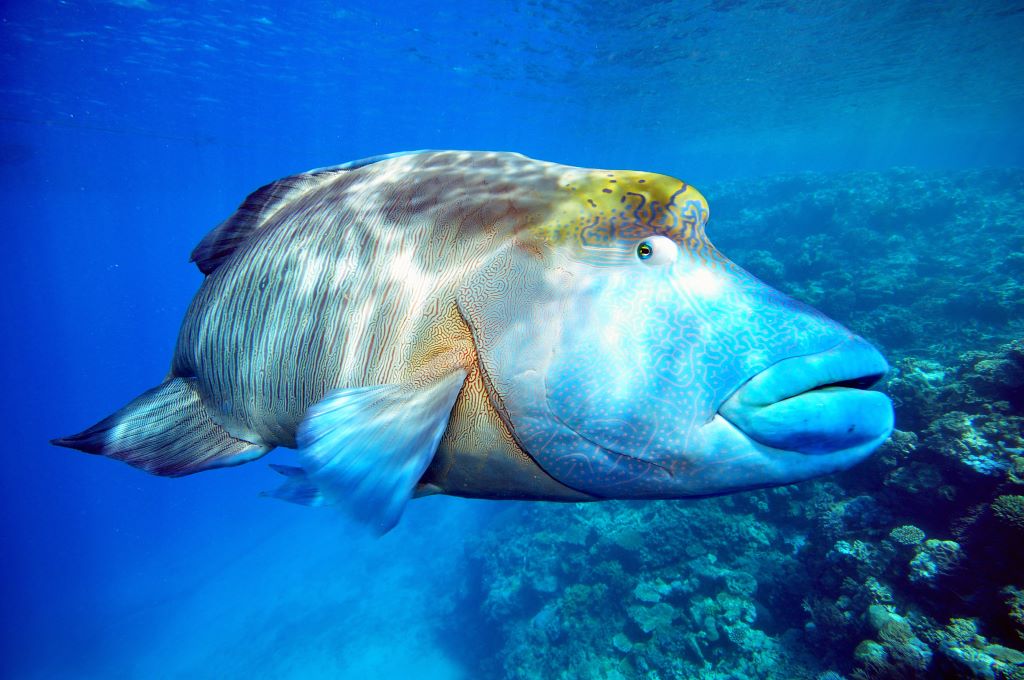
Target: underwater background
[[864, 157]]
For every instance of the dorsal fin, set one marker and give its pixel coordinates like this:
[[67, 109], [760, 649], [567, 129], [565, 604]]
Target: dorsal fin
[[258, 206], [261, 204], [370, 160]]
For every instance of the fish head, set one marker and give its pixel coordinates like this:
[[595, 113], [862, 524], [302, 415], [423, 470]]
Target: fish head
[[631, 359]]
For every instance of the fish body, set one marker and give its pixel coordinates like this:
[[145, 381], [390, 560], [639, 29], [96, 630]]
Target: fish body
[[488, 325]]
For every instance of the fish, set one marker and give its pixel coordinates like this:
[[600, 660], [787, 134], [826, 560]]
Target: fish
[[487, 325]]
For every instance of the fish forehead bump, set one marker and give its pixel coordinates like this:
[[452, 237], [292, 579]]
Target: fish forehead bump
[[559, 205], [603, 207]]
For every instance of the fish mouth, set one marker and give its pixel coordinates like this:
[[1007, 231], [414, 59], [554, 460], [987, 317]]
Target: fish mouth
[[816, 404]]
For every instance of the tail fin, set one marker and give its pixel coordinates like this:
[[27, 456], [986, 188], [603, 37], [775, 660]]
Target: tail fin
[[166, 431]]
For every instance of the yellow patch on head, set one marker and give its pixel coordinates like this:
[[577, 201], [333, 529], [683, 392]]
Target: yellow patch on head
[[604, 207]]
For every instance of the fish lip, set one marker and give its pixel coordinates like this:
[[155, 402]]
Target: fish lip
[[807, 385], [850, 363]]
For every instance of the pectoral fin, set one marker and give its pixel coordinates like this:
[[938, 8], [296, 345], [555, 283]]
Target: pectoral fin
[[366, 447]]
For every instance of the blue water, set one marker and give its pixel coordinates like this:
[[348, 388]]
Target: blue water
[[130, 128]]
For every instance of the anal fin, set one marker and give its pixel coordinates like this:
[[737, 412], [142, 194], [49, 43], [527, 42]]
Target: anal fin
[[166, 431]]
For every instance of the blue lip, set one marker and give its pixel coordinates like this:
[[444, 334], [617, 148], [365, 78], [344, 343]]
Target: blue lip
[[816, 404]]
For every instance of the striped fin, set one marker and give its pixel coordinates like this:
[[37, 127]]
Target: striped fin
[[255, 211], [259, 206], [166, 431], [366, 447]]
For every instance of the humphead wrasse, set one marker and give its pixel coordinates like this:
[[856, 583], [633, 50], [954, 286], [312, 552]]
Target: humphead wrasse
[[487, 325]]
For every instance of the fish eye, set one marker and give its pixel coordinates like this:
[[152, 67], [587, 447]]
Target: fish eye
[[657, 250]]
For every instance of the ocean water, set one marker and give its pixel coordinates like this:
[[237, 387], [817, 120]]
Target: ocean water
[[864, 157]]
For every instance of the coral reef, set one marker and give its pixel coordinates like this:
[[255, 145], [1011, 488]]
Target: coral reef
[[1009, 510], [907, 534], [934, 559], [907, 566]]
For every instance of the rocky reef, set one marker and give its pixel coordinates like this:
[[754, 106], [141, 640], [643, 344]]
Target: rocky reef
[[911, 565]]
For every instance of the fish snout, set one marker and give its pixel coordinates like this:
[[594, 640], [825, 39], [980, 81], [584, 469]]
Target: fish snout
[[818, 403]]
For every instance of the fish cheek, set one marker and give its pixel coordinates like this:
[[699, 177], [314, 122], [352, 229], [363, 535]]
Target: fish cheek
[[594, 386], [630, 379]]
